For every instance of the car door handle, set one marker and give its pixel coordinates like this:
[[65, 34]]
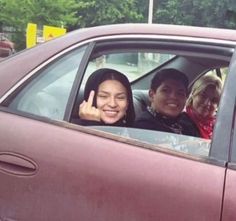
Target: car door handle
[[17, 164]]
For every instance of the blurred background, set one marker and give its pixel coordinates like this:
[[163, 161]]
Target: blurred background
[[19, 18]]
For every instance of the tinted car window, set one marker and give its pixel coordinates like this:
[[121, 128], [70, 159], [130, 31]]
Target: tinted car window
[[48, 93]]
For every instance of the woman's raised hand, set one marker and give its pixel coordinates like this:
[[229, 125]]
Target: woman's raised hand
[[87, 111]]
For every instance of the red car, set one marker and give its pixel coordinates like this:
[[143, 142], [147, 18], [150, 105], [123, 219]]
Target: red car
[[6, 46], [53, 169]]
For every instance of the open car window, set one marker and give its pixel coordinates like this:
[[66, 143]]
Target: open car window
[[140, 66]]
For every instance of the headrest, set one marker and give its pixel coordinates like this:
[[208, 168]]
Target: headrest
[[141, 101]]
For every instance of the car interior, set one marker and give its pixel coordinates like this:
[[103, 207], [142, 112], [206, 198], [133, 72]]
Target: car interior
[[192, 63]]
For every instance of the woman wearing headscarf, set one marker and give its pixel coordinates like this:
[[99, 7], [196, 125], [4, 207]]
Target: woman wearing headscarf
[[107, 100], [203, 102]]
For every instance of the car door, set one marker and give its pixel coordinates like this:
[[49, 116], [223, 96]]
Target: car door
[[51, 172], [51, 169]]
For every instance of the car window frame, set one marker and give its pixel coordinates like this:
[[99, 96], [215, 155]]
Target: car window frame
[[173, 46], [72, 101], [82, 71], [230, 84], [215, 49]]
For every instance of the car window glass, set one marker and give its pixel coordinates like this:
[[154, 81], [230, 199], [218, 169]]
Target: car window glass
[[133, 64], [181, 143], [48, 93]]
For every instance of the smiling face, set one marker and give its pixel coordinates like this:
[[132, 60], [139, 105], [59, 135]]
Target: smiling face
[[169, 98], [112, 101], [206, 102]]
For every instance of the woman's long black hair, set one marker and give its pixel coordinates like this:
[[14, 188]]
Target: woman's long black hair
[[101, 75]]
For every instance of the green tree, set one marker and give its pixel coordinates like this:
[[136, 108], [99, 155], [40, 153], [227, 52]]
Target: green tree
[[69, 13], [206, 13], [97, 12], [41, 12], [231, 14], [74, 14]]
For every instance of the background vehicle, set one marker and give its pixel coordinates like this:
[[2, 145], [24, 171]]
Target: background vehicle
[[61, 171], [6, 46]]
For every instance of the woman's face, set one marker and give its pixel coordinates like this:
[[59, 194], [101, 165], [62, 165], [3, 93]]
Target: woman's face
[[205, 103], [169, 98], [112, 101]]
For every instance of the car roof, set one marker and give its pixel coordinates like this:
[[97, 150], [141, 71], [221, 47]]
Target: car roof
[[44, 51], [162, 29]]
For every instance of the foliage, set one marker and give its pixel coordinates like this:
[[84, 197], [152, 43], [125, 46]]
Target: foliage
[[74, 14], [206, 13], [42, 12], [97, 12]]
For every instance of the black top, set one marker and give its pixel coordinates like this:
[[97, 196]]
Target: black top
[[155, 121]]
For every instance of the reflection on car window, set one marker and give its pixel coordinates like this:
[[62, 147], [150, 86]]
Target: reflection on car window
[[181, 143], [48, 93], [134, 64]]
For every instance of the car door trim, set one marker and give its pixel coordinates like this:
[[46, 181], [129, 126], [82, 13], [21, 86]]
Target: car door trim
[[77, 82]]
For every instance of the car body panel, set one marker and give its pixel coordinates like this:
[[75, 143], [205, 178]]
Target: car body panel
[[55, 170], [229, 208], [82, 176]]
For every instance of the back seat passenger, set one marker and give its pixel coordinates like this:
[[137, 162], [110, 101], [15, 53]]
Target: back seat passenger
[[140, 99]]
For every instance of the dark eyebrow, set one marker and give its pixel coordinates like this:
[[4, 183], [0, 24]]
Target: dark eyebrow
[[106, 92], [122, 93]]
